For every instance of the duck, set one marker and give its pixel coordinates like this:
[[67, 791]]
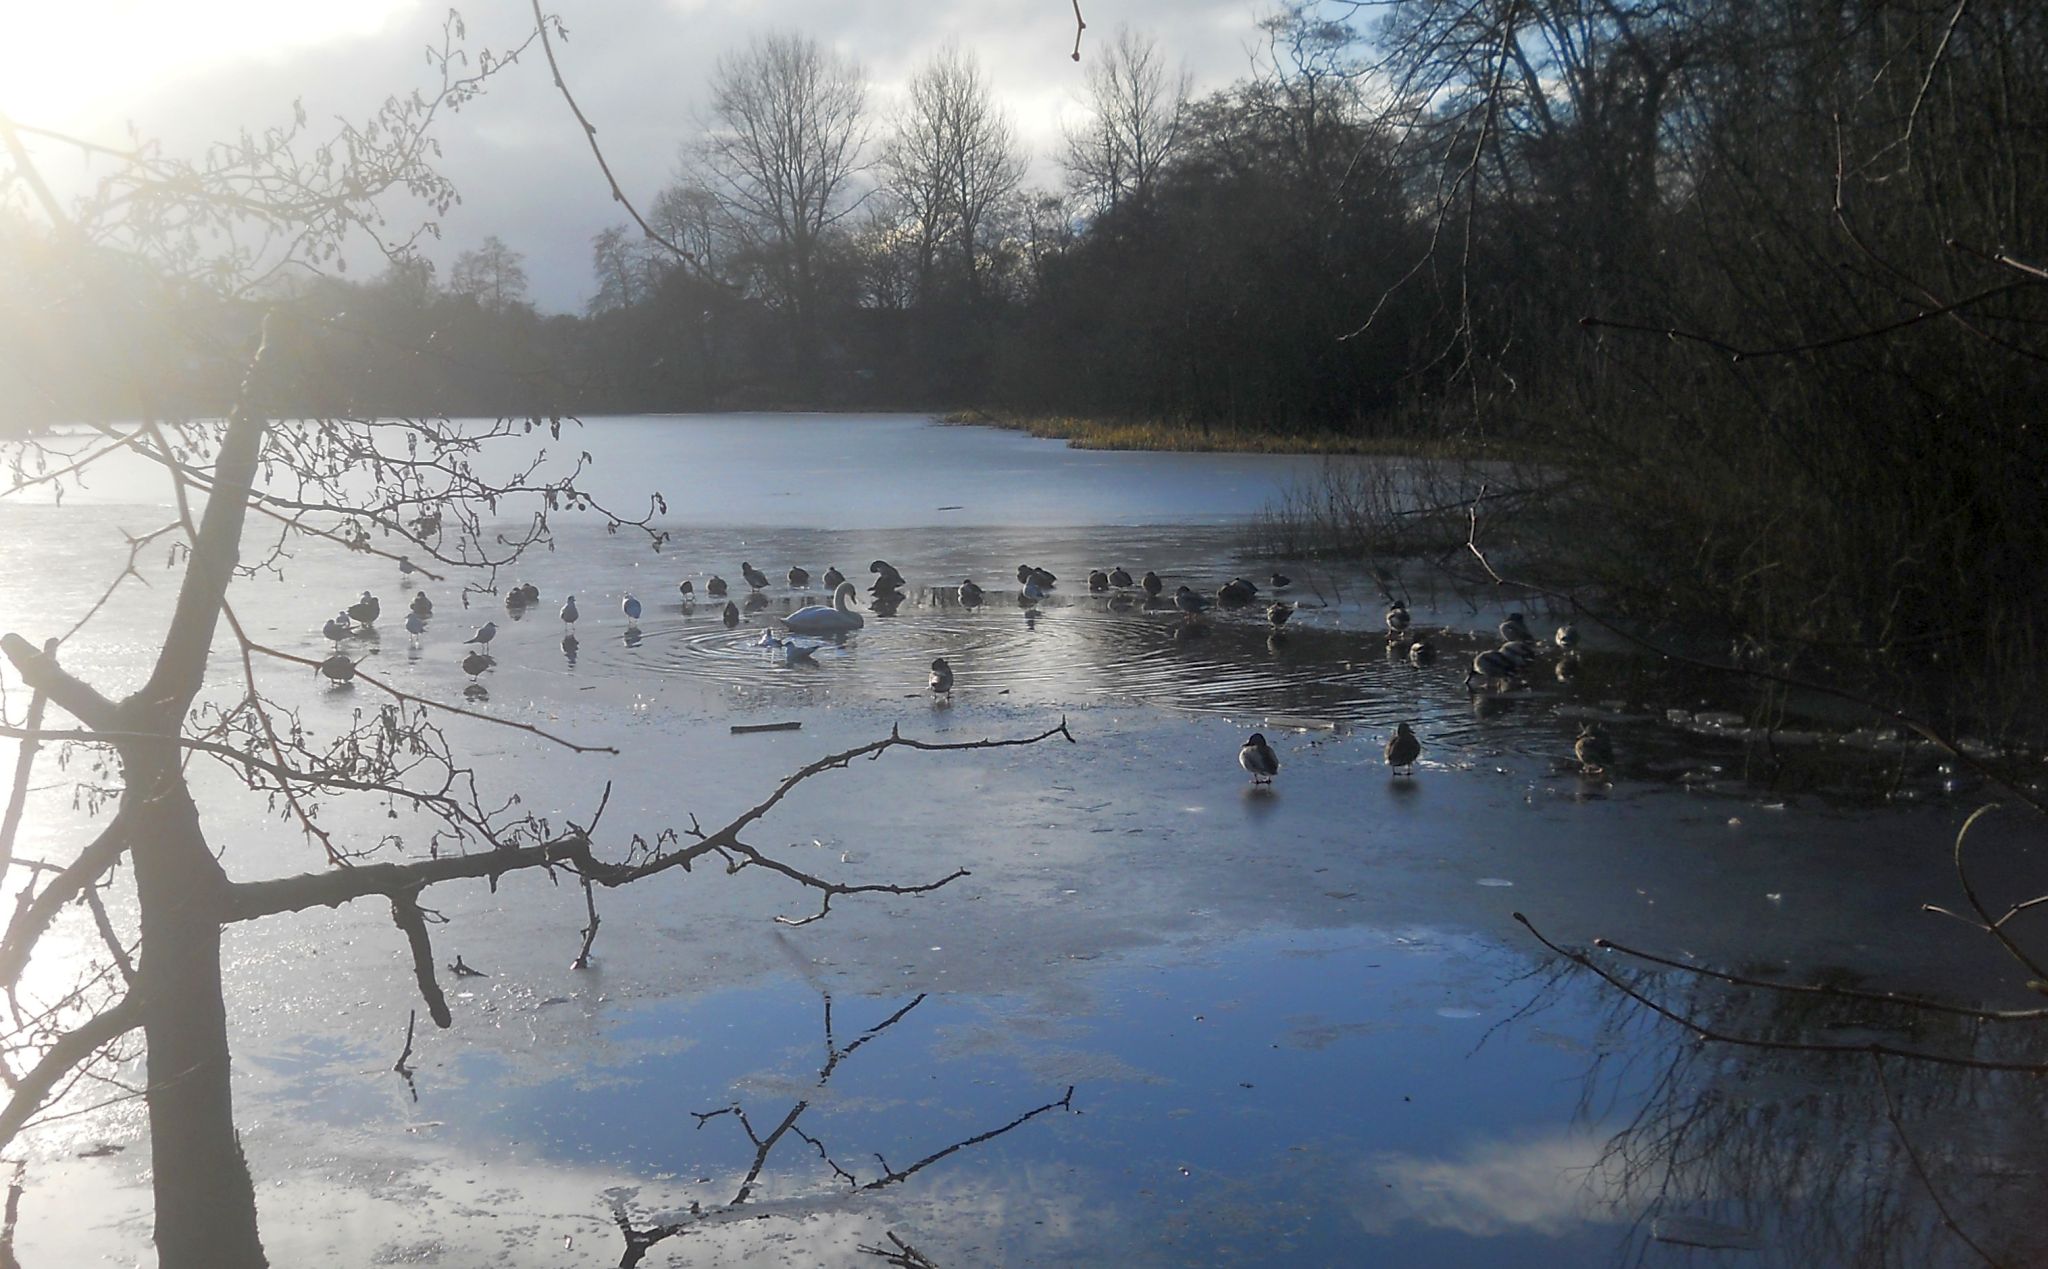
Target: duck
[[1494, 667], [731, 615], [569, 613], [1097, 580], [337, 628], [422, 605], [1257, 757], [1514, 629], [1120, 577], [1421, 653], [833, 577], [942, 677], [1033, 592], [477, 662], [886, 576], [516, 602], [820, 619], [1567, 637], [337, 668], [1279, 581], [1402, 750], [406, 568], [688, 590], [1278, 614], [1593, 750], [528, 593], [1397, 619], [715, 586], [366, 609], [1521, 652], [1189, 602], [630, 606], [800, 577], [415, 625], [483, 634], [1030, 573], [1151, 584], [1237, 591], [970, 594], [755, 577]]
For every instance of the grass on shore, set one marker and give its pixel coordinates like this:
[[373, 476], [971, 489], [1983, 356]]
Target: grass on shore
[[1136, 434]]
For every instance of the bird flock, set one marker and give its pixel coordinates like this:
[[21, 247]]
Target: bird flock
[[1491, 670]]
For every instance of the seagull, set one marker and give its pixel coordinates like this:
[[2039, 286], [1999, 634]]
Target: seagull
[[970, 594], [942, 677], [688, 590], [1397, 619], [484, 634], [1567, 637], [1120, 577], [569, 613], [422, 605], [406, 566], [477, 662], [630, 606], [731, 616], [801, 577], [365, 609], [715, 587], [1189, 602], [833, 577], [1420, 653], [1494, 667], [755, 577], [337, 628], [1514, 630], [415, 625], [1152, 584], [1097, 579], [1593, 750], [1402, 750], [1257, 757], [1032, 590], [1278, 614]]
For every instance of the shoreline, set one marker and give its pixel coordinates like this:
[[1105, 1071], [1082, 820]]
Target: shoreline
[[1159, 435]]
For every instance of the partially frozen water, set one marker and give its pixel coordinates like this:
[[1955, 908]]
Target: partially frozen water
[[1301, 1027]]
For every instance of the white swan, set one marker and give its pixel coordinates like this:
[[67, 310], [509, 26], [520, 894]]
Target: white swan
[[818, 619]]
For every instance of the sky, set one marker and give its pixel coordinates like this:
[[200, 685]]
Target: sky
[[201, 70]]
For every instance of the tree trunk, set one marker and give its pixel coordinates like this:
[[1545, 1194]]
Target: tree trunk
[[205, 1201]]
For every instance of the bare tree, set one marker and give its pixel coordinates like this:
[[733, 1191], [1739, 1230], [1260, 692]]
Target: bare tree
[[953, 159], [625, 269], [786, 132], [493, 275], [1137, 121], [250, 493]]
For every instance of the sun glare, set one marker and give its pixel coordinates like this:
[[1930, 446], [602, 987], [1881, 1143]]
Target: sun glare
[[68, 65]]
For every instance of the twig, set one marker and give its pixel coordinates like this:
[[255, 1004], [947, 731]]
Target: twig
[[1891, 1110], [748, 729]]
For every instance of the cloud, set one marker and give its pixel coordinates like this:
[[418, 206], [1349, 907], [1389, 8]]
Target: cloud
[[1548, 1185], [638, 68]]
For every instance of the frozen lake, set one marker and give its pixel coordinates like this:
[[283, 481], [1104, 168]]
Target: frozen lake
[[1300, 1027]]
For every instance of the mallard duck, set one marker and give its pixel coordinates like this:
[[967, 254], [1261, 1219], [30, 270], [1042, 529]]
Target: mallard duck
[[1496, 668], [1189, 602], [337, 668], [1397, 619], [365, 609], [337, 628], [422, 605], [1403, 749], [1278, 614], [1420, 653], [799, 577], [714, 586], [970, 594], [1279, 581], [1257, 757], [1120, 577], [1593, 750], [687, 589], [1514, 629], [477, 662], [1567, 637], [1152, 584], [1097, 579], [942, 677], [731, 615], [833, 577], [1237, 591]]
